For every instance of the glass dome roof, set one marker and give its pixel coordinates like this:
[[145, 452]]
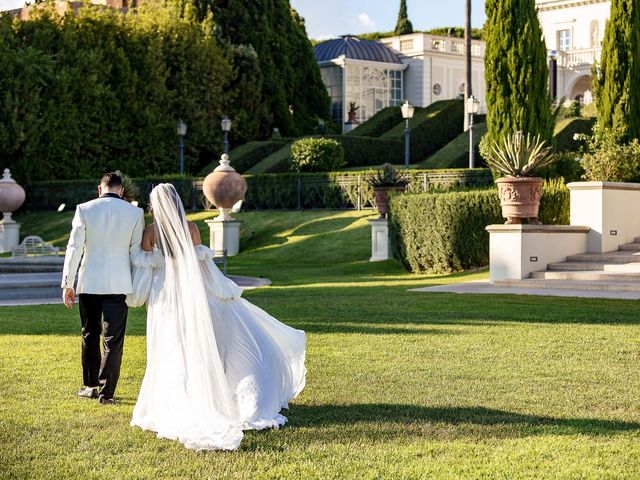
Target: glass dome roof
[[354, 48]]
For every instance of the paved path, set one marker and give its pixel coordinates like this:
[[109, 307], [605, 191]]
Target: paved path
[[484, 287], [247, 283]]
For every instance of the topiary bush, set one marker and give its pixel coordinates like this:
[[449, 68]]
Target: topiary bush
[[316, 155]]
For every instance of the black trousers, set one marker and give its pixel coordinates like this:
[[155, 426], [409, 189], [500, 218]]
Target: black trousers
[[106, 314]]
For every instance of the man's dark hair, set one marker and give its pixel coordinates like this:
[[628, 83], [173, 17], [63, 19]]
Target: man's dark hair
[[112, 180]]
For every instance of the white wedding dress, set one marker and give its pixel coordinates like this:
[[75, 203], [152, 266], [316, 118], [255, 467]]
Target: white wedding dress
[[216, 364]]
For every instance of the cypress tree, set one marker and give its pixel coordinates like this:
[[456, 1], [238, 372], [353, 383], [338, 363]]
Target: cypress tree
[[617, 86], [516, 72], [403, 25]]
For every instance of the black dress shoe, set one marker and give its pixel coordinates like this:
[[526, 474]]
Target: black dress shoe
[[106, 401], [88, 392]]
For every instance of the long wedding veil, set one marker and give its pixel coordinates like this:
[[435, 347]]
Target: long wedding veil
[[214, 416]]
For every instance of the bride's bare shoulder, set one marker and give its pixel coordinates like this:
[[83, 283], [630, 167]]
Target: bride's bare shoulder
[[195, 233], [148, 237]]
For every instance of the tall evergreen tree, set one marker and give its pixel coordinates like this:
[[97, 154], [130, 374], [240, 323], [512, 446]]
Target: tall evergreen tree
[[516, 72], [617, 86], [403, 25], [286, 68]]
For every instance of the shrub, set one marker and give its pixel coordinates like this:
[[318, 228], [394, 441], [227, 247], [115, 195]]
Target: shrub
[[608, 160], [445, 232], [566, 165], [316, 155], [554, 204]]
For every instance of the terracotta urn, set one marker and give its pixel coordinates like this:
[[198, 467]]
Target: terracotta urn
[[520, 198], [12, 196], [224, 187], [381, 196]]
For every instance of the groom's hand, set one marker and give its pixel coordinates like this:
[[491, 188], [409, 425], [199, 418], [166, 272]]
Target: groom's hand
[[68, 297]]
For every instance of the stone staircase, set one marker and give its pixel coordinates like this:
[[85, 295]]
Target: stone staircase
[[611, 271]]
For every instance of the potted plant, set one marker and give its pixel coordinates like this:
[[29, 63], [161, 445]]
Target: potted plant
[[386, 179], [518, 158], [353, 111]]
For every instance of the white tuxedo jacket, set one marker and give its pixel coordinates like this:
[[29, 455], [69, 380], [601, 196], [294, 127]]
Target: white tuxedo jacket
[[106, 233]]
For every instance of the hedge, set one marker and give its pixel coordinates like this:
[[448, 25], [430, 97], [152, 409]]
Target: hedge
[[563, 139], [379, 124], [445, 232], [48, 195], [331, 190], [431, 127], [246, 156], [316, 155]]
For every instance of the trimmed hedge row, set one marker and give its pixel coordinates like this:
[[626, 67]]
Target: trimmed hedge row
[[48, 195], [380, 123], [246, 156], [445, 232], [431, 127]]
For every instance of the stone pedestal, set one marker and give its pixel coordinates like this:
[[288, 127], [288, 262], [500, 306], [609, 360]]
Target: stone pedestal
[[517, 250], [224, 235], [380, 245], [610, 209], [9, 235]]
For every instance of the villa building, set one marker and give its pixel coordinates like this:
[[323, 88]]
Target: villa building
[[372, 75], [423, 68], [573, 31]]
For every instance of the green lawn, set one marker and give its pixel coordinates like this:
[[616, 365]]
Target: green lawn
[[400, 384]]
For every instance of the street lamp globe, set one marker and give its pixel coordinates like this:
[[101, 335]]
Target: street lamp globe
[[182, 128], [407, 110], [225, 124], [472, 105]]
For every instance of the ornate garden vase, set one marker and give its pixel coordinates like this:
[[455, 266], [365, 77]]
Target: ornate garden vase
[[520, 198], [381, 196], [224, 187], [12, 196]]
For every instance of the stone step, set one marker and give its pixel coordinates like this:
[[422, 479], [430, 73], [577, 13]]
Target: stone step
[[631, 267], [32, 264], [587, 276], [607, 257], [570, 285], [631, 247], [14, 286]]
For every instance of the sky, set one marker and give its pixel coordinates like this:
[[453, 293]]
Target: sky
[[330, 18]]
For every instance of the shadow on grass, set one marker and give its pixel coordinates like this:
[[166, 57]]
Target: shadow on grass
[[389, 420], [329, 225]]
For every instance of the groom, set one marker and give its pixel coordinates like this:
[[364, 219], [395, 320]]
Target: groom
[[105, 233]]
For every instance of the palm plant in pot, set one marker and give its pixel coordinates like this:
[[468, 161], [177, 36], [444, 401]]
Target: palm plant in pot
[[518, 158], [388, 178]]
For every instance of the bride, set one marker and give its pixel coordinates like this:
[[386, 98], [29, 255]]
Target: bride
[[216, 364]]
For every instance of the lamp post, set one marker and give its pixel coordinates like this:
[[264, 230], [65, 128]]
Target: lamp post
[[407, 114], [181, 130], [553, 74], [225, 124], [472, 108]]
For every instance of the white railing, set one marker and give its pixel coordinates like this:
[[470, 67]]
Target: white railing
[[454, 46], [579, 58]]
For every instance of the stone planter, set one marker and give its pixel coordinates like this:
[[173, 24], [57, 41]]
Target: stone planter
[[12, 196], [520, 198], [224, 187], [381, 196]]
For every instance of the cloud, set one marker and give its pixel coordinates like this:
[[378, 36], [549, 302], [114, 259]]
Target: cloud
[[365, 21]]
